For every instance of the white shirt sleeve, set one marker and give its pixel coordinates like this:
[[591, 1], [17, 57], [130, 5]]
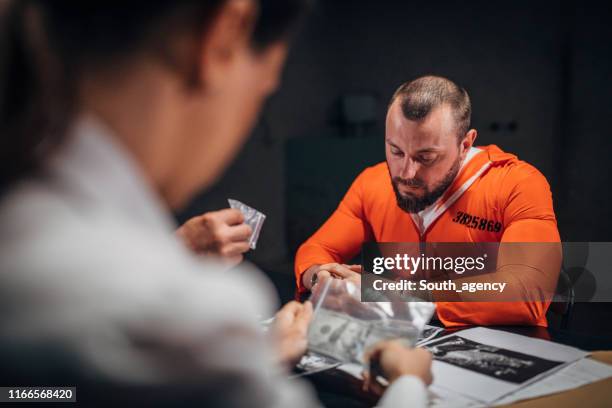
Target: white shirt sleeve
[[407, 391], [90, 264]]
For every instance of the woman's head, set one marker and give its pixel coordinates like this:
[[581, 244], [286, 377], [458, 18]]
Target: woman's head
[[180, 82]]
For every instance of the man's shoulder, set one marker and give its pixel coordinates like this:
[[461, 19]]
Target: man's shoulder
[[373, 184], [372, 190], [378, 173], [507, 169]]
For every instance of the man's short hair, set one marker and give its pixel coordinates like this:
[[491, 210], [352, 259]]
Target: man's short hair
[[419, 97]]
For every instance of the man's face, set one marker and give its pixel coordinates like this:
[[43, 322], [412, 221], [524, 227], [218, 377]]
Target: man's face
[[423, 157]]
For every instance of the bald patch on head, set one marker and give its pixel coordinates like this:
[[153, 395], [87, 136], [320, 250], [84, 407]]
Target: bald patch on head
[[433, 132], [419, 98]]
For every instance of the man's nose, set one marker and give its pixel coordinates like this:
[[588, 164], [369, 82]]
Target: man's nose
[[409, 169]]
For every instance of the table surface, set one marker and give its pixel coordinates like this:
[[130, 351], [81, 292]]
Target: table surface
[[339, 389]]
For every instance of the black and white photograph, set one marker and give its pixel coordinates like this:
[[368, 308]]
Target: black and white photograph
[[499, 363]]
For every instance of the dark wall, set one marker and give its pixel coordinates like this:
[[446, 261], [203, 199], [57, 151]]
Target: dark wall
[[538, 72], [586, 162]]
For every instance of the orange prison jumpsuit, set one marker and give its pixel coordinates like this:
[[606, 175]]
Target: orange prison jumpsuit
[[512, 196]]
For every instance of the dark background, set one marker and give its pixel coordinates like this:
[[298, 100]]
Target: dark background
[[539, 74]]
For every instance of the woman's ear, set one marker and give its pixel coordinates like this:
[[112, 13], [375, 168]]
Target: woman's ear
[[228, 36], [274, 57]]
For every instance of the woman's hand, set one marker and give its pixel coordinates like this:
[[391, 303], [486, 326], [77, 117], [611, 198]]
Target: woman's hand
[[394, 360], [220, 233], [290, 331]]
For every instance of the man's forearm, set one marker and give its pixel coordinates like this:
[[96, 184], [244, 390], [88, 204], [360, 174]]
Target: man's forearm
[[308, 275]]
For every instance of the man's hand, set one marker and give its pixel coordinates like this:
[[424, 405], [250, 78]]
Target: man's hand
[[332, 270], [290, 330], [395, 360], [220, 233]]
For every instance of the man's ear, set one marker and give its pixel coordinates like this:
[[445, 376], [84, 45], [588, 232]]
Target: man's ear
[[468, 140], [229, 35]]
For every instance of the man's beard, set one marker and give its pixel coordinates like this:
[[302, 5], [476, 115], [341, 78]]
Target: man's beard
[[413, 204]]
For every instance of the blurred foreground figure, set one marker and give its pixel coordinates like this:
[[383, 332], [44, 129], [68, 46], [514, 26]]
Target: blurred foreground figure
[[111, 115]]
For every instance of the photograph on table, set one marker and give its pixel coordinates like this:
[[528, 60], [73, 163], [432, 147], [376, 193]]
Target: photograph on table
[[492, 361]]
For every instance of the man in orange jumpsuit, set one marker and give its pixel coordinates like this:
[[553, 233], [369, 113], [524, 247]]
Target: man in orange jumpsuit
[[435, 186]]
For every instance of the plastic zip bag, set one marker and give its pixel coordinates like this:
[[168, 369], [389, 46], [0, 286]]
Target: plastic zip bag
[[344, 328], [252, 218]]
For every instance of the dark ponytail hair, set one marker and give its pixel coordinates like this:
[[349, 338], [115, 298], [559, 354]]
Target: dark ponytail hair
[[35, 103], [46, 45]]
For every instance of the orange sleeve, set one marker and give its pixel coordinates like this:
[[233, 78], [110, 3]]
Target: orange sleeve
[[528, 216], [340, 238]]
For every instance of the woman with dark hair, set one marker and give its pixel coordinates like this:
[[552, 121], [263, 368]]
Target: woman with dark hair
[[111, 114]]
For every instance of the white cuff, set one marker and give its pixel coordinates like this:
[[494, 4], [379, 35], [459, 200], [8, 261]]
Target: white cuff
[[406, 391]]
